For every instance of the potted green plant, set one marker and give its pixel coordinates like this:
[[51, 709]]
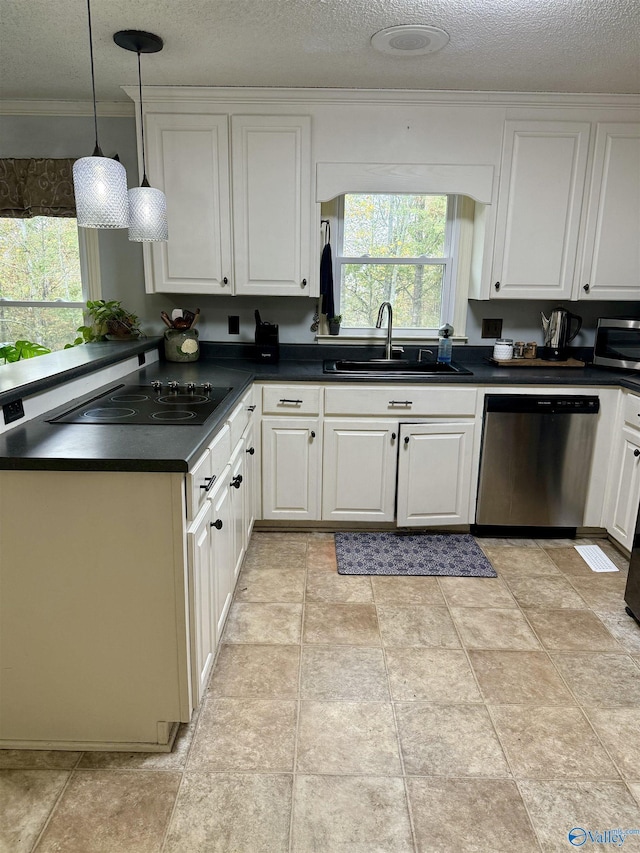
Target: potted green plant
[[21, 349], [334, 324], [110, 321]]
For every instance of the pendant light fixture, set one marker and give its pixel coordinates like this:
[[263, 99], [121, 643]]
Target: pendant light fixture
[[147, 206], [100, 183]]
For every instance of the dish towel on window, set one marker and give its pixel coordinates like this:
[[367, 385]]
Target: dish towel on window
[[326, 282]]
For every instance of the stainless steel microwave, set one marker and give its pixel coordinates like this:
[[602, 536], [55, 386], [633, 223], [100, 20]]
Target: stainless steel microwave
[[618, 344]]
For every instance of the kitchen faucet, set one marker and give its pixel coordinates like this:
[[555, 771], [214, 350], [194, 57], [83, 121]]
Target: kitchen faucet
[[387, 347]]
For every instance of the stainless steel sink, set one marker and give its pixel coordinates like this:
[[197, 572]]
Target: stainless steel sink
[[394, 367]]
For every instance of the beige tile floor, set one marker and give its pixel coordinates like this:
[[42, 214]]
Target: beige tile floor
[[356, 714]]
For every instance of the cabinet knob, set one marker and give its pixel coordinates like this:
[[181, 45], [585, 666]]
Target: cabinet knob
[[393, 436], [235, 483], [217, 524], [636, 452], [497, 285], [406, 439], [313, 435], [251, 451], [304, 282], [225, 280], [586, 288]]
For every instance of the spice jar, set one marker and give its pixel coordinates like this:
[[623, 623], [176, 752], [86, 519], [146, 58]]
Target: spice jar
[[530, 349], [503, 349], [518, 349]]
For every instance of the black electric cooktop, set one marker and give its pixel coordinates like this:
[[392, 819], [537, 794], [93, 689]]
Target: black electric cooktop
[[156, 404]]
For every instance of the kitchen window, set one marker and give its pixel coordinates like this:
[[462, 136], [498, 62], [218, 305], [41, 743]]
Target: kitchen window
[[403, 249], [48, 267], [42, 293]]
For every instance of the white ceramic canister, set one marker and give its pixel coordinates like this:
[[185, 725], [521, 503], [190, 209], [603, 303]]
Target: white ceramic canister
[[503, 349]]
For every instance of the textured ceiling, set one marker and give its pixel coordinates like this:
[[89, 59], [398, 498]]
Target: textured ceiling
[[588, 46]]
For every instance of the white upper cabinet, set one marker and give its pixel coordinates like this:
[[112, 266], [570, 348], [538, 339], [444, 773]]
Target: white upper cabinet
[[611, 257], [188, 158], [271, 158], [265, 246], [539, 206]]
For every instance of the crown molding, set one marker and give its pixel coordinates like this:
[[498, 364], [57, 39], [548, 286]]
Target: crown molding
[[120, 109], [202, 94]]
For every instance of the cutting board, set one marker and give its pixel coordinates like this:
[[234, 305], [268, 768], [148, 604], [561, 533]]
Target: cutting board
[[537, 362]]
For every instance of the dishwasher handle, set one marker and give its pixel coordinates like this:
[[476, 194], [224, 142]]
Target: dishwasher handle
[[546, 404]]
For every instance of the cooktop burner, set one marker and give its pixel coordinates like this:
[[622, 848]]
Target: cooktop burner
[[156, 404]]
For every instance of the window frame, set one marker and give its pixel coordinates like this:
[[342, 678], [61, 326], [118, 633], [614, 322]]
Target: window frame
[[457, 259]]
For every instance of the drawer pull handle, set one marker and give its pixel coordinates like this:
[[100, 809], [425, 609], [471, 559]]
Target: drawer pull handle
[[217, 524], [295, 402], [401, 402], [406, 439], [251, 408], [636, 452], [208, 483], [235, 483], [251, 451]]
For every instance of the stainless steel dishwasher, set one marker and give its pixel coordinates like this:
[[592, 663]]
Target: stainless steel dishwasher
[[535, 462]]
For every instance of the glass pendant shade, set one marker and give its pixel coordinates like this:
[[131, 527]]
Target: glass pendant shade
[[147, 215], [100, 186]]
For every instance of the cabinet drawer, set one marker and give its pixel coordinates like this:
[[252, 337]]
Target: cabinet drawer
[[400, 400], [206, 471], [291, 400], [198, 479], [631, 411], [240, 416]]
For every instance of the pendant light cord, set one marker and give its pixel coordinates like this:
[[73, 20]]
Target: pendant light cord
[[145, 182], [97, 152]]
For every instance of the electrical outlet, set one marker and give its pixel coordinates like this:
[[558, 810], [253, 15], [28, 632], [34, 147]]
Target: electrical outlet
[[13, 411], [491, 328], [234, 324]]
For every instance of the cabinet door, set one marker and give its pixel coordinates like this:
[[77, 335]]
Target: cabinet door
[[272, 204], [626, 496], [434, 474], [359, 470], [251, 485], [291, 472], [188, 158], [539, 205], [237, 488], [611, 261], [202, 600], [222, 551]]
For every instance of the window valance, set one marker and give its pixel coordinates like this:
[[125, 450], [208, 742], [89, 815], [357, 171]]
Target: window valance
[[36, 187]]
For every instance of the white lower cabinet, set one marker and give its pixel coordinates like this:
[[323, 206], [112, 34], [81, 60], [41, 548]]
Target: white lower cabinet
[[359, 470], [221, 544], [202, 600], [251, 491], [237, 488], [291, 468], [434, 474], [625, 496]]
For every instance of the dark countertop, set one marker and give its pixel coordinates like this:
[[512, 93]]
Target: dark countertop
[[39, 445]]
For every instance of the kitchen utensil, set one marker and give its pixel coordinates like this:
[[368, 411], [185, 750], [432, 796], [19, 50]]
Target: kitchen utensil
[[188, 315], [557, 332], [181, 323], [196, 316], [177, 312], [166, 319]]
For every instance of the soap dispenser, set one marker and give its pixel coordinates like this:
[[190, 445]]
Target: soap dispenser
[[445, 343]]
